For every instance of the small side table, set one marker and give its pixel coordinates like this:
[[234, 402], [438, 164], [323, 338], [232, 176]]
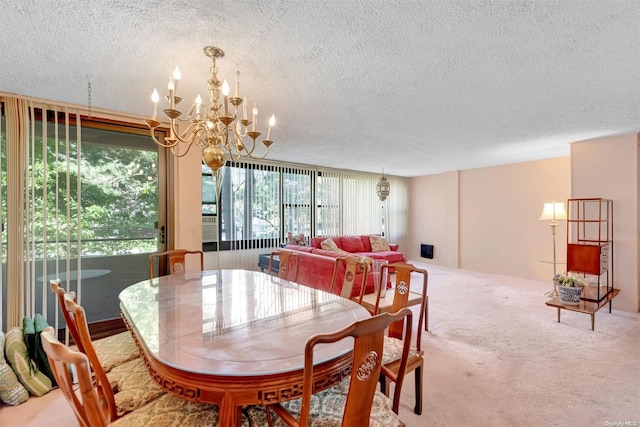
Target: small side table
[[587, 307]]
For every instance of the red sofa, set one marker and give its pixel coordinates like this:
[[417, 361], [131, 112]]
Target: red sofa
[[315, 265], [361, 246]]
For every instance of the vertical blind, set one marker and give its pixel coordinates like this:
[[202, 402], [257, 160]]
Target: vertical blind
[[43, 145]]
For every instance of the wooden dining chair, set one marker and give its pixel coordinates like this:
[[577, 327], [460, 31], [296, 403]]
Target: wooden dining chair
[[131, 382], [393, 342], [289, 263], [89, 402], [352, 266], [111, 351], [172, 261], [357, 394]]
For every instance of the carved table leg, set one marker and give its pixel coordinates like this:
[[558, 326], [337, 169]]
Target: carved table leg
[[229, 412]]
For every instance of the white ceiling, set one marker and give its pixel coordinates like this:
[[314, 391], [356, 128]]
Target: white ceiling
[[412, 86]]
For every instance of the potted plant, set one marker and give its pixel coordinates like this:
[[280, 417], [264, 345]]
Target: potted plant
[[569, 288]]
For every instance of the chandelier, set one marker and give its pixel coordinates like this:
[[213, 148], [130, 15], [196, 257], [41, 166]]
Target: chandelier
[[216, 129]]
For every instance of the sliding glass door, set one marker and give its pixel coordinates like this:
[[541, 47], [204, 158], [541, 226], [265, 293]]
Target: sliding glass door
[[94, 208]]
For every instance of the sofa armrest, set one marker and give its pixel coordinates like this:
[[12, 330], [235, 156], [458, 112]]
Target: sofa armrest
[[394, 246]]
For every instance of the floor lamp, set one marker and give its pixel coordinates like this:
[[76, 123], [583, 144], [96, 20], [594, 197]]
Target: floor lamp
[[552, 212]]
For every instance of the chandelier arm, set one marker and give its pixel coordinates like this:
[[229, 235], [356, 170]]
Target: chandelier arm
[[253, 148], [161, 144], [246, 149], [266, 151], [194, 134], [178, 155], [260, 157], [233, 157]]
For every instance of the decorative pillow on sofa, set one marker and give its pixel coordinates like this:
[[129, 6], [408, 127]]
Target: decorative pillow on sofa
[[297, 239], [330, 245], [15, 349], [379, 244], [11, 391]]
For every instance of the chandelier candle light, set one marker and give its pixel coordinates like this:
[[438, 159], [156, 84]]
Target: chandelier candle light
[[216, 128]]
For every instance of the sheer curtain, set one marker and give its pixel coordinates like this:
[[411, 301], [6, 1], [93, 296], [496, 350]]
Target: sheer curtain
[[347, 204], [17, 139], [43, 145]]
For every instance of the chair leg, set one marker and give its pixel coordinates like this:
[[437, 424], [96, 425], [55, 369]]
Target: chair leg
[[383, 384], [418, 384], [426, 314]]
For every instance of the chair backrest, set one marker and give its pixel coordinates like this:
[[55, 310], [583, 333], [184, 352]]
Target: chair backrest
[[401, 296], [172, 261], [288, 264], [352, 266], [88, 405], [78, 320], [368, 335], [57, 289]]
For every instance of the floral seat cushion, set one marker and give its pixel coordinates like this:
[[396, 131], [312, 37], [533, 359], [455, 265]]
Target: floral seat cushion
[[171, 411], [327, 407], [392, 350], [116, 350], [133, 386]]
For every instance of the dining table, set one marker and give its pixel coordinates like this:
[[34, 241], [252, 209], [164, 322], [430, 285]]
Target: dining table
[[235, 338]]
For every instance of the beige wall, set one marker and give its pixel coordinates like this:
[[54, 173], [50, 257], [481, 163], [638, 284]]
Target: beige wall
[[495, 228], [433, 217], [608, 168], [499, 210], [186, 198], [486, 219]]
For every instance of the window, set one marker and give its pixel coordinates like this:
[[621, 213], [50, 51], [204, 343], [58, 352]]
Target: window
[[250, 211], [111, 172], [296, 206], [261, 203], [208, 192], [119, 191], [328, 205]]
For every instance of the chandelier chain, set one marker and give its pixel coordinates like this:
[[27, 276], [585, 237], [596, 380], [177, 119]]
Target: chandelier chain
[[89, 90]]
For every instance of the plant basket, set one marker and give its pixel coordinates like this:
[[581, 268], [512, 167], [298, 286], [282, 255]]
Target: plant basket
[[569, 295]]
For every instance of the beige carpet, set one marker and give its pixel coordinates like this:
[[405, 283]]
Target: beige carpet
[[495, 356]]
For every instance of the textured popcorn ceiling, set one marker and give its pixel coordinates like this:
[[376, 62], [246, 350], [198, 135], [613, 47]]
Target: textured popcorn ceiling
[[414, 87]]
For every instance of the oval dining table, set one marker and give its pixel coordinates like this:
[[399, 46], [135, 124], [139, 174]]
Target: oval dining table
[[236, 337]]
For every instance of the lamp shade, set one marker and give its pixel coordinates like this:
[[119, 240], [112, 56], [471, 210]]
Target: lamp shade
[[553, 211]]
